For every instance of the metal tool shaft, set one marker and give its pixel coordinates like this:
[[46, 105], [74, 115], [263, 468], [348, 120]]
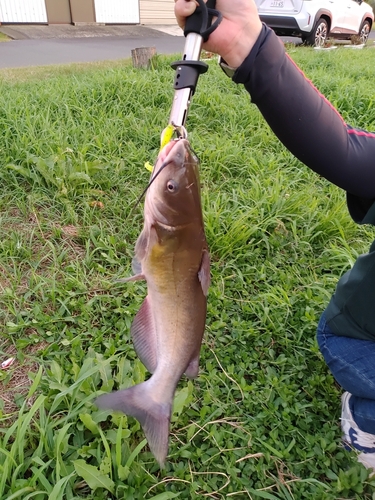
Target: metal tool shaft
[[182, 97]]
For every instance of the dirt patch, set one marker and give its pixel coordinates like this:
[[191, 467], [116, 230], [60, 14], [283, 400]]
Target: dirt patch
[[35, 230], [15, 381]]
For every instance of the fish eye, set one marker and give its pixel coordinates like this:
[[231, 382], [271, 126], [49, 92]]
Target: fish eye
[[172, 186]]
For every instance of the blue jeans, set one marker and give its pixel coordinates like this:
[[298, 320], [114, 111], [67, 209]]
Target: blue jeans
[[352, 363]]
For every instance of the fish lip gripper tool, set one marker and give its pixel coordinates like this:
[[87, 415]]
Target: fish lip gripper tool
[[198, 28]]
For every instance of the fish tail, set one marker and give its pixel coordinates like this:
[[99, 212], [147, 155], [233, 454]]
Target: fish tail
[[154, 416]]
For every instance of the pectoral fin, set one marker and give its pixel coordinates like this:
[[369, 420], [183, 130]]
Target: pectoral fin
[[141, 245], [139, 254], [204, 272], [144, 336], [146, 239], [136, 277], [136, 267]]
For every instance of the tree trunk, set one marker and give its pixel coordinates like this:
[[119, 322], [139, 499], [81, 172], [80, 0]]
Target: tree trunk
[[141, 57]]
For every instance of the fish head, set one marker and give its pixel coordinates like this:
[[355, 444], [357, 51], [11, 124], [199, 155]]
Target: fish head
[[173, 196]]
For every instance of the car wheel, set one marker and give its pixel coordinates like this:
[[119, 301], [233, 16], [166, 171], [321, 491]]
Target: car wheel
[[319, 34], [364, 32]]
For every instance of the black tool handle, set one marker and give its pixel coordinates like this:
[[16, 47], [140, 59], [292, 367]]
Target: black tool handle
[[200, 21]]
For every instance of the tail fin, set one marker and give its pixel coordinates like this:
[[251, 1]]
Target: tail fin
[[154, 416]]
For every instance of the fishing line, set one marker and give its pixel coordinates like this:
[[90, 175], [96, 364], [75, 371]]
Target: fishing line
[[163, 165]]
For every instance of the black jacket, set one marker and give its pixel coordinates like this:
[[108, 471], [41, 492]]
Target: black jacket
[[307, 124]]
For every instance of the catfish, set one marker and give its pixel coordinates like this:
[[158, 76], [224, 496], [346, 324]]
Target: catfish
[[171, 254]]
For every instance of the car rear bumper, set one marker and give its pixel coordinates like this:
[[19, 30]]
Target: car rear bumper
[[282, 25]]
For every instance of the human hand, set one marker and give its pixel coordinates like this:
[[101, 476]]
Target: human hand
[[236, 34]]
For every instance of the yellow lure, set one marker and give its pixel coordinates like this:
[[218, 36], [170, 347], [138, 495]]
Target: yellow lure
[[165, 137], [148, 166]]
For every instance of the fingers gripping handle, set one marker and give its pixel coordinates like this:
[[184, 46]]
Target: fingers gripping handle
[[200, 21]]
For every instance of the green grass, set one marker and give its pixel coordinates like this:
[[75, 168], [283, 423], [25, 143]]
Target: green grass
[[3, 37], [262, 418]]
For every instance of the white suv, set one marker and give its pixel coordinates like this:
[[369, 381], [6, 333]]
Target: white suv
[[316, 20]]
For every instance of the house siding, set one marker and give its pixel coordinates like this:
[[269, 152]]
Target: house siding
[[105, 11], [157, 12]]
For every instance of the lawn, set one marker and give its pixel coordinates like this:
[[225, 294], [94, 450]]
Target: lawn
[[262, 418], [4, 38]]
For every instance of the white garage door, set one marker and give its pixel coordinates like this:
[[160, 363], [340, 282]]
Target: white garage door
[[117, 11], [23, 11]]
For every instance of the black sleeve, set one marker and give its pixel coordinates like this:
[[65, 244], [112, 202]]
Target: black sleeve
[[305, 122]]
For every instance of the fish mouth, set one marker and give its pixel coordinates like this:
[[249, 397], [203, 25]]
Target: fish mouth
[[175, 151], [166, 156]]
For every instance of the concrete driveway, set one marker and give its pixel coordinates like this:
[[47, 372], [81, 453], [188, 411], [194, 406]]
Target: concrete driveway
[[37, 45]]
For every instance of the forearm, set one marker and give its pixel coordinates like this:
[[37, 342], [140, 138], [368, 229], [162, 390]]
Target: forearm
[[304, 121]]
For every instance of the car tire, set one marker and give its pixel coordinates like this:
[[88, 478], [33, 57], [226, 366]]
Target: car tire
[[364, 31], [319, 34]]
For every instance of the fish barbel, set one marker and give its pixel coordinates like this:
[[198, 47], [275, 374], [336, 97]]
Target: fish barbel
[[171, 254]]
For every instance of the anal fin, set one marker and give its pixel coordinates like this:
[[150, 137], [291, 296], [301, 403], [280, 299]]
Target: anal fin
[[204, 272], [193, 367], [144, 336]]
